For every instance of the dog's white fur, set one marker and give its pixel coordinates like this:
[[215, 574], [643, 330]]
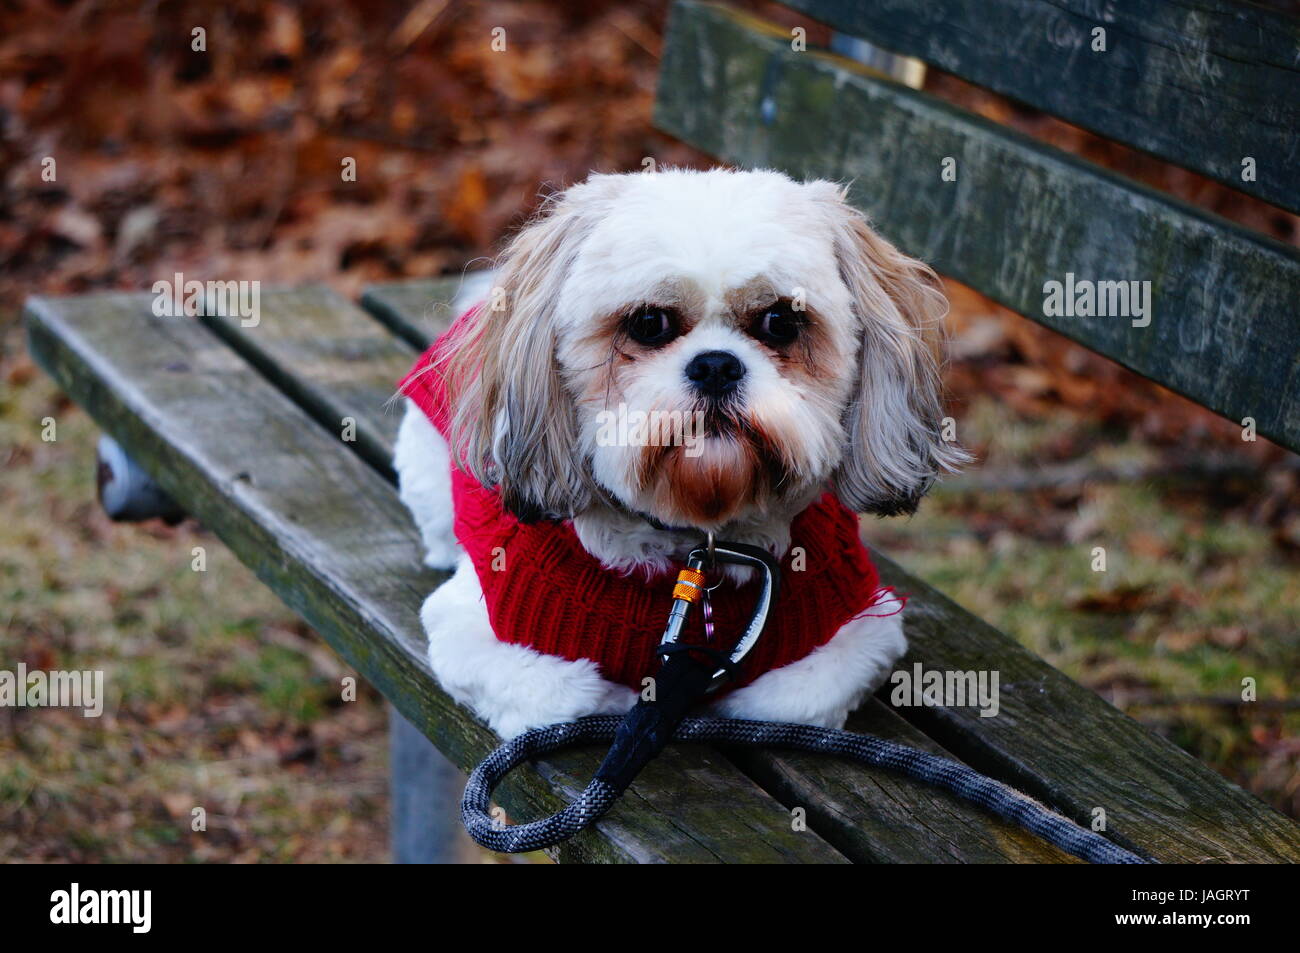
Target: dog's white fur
[[858, 410]]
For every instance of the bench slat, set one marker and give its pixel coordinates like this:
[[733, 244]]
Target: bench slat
[[1224, 328], [309, 343], [1202, 85], [878, 817], [417, 311], [329, 536]]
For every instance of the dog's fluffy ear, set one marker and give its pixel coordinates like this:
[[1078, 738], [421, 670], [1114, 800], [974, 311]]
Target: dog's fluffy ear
[[894, 422], [513, 425]]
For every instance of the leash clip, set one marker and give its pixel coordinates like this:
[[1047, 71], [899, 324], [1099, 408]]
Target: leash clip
[[691, 588]]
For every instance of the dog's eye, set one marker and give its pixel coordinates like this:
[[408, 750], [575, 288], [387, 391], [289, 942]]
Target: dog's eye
[[778, 323], [652, 327]]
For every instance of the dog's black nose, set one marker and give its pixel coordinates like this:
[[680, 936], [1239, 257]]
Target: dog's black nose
[[715, 373]]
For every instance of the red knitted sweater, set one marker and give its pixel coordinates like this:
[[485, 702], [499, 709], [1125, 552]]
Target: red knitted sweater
[[545, 591]]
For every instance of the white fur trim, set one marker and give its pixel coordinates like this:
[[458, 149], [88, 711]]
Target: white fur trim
[[511, 687], [423, 465], [824, 686]]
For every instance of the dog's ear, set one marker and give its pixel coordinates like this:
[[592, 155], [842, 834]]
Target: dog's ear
[[894, 423], [513, 423]]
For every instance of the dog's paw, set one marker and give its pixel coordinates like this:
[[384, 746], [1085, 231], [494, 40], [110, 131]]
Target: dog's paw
[[511, 687], [567, 692]]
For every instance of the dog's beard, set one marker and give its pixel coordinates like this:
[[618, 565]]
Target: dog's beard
[[729, 467]]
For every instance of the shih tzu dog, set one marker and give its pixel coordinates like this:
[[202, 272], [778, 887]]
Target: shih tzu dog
[[660, 355]]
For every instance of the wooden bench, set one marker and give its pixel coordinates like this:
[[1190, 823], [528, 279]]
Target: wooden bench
[[243, 427]]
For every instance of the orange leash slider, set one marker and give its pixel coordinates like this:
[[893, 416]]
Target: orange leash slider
[[690, 585]]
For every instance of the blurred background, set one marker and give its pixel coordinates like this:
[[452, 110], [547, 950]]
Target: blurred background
[[226, 163]]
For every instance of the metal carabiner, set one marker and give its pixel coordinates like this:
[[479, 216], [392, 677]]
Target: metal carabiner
[[736, 554]]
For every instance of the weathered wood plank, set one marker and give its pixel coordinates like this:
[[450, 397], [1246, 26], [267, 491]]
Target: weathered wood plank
[[417, 311], [871, 815], [325, 353], [875, 816], [1201, 83], [1223, 325], [1061, 743], [328, 535]]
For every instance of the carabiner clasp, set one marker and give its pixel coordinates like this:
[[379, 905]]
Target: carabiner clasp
[[690, 588]]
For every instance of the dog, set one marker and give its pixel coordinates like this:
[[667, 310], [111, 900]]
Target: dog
[[792, 357]]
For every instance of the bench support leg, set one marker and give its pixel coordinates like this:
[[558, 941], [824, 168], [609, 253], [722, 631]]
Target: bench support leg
[[127, 493], [425, 790]]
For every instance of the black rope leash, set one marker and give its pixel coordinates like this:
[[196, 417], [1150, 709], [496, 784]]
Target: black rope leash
[[686, 675], [600, 795]]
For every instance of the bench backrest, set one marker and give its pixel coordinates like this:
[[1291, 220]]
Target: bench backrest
[[1208, 88]]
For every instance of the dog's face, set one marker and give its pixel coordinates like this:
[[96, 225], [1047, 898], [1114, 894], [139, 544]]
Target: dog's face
[[702, 348]]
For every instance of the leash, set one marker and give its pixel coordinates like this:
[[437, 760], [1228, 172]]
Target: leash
[[688, 672]]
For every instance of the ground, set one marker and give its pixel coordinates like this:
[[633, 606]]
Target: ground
[[227, 163]]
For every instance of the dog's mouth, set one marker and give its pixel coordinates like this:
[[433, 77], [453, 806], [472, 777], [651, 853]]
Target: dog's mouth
[[723, 419], [727, 466]]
